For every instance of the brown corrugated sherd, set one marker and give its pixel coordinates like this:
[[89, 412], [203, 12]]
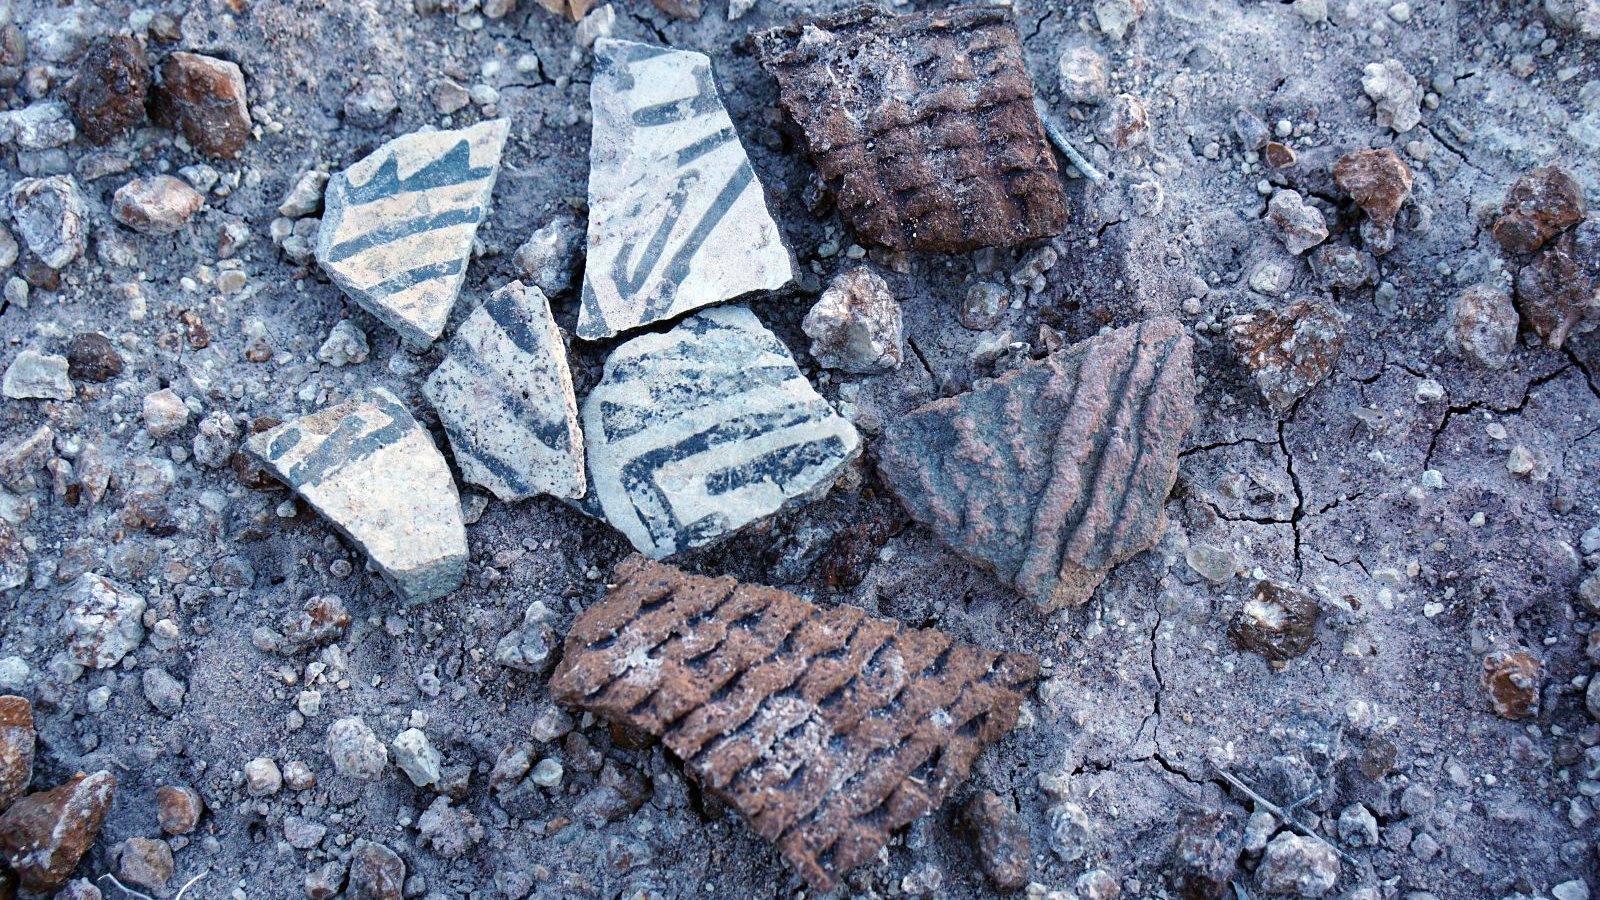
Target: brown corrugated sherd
[[826, 728], [922, 125]]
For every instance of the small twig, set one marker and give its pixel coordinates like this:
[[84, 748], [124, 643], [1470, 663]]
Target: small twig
[[189, 884], [1239, 891], [125, 889], [1059, 138], [1304, 800], [1283, 814]]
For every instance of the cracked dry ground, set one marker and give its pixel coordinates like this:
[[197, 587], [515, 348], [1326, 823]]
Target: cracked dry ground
[[1144, 700]]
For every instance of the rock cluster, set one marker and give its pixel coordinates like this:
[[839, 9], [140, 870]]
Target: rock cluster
[[825, 727], [1558, 288], [1055, 472], [922, 125]]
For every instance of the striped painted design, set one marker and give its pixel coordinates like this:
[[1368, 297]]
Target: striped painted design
[[677, 218], [695, 433], [368, 468], [399, 224], [504, 395]]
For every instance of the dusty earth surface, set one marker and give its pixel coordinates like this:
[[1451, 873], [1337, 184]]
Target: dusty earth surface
[[1145, 700]]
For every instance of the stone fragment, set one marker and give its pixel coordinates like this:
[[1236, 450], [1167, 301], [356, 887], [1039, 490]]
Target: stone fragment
[[1299, 866], [1582, 16], [1540, 205], [1288, 351], [550, 256], [529, 648], [164, 413], [205, 97], [37, 376], [1215, 564], [828, 729], [1000, 839], [1378, 180], [303, 833], [16, 748], [215, 440], [1251, 131], [51, 217], [397, 226], [262, 777], [325, 881], [178, 808], [1483, 326], [417, 757], [80, 889], [346, 345], [1116, 17], [597, 24], [1278, 156], [504, 395], [376, 873], [1342, 267], [111, 86], [1300, 225], [1057, 471], [855, 326], [450, 831], [305, 195], [144, 862], [984, 305], [355, 750], [1205, 855], [21, 459], [1082, 73], [92, 357], [322, 621], [1070, 831], [368, 468], [159, 205], [1555, 294], [1395, 94], [922, 126], [677, 218], [164, 692], [1126, 123], [572, 10], [103, 621], [13, 556], [43, 835], [370, 104], [697, 432], [39, 126], [1279, 621], [1358, 827], [1512, 678]]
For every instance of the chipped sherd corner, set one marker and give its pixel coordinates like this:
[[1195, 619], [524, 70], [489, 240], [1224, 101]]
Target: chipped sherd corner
[[1058, 449]]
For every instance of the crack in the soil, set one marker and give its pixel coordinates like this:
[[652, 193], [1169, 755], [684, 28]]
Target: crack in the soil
[[1477, 405], [1299, 496]]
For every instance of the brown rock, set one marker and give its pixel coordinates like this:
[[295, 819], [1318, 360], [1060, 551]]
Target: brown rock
[[1512, 678], [325, 881], [43, 835], [322, 621], [1556, 296], [825, 727], [1278, 156], [205, 97], [1279, 621], [178, 808], [1378, 180], [687, 10], [1541, 205], [111, 86], [1001, 840], [1289, 351], [1483, 326], [145, 862], [619, 793], [921, 125], [159, 205], [376, 873], [1055, 472], [16, 748], [1127, 123], [92, 357], [1205, 856]]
